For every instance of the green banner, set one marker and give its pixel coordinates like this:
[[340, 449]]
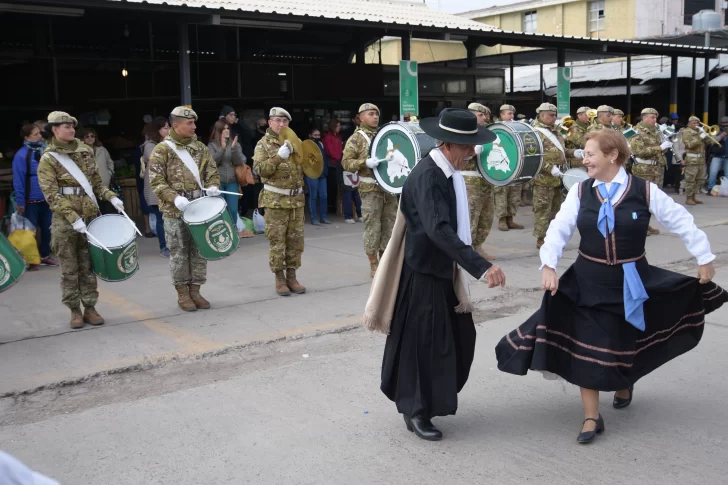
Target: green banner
[[408, 89], [563, 91]]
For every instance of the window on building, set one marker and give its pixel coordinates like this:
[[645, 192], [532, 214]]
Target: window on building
[[529, 22], [596, 17], [691, 7]]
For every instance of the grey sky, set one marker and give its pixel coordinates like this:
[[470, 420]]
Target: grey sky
[[456, 6]]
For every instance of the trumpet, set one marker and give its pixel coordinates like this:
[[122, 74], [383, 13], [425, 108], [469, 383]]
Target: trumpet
[[566, 123]]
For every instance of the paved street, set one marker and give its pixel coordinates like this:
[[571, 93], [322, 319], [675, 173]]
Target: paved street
[[270, 390]]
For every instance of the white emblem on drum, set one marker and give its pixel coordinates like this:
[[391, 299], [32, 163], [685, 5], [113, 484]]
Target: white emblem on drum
[[397, 164], [128, 261], [4, 270], [219, 236], [497, 158]]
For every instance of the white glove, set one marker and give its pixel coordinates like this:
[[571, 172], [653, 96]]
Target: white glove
[[79, 226], [285, 151], [703, 135], [372, 163], [555, 171], [702, 130], [117, 203], [478, 149], [181, 202], [213, 191], [665, 145], [579, 153]]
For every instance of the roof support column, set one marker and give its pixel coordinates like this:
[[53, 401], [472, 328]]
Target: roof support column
[[561, 57], [405, 47], [706, 82], [512, 62], [629, 90], [673, 84], [693, 87], [184, 65], [471, 49], [360, 53], [540, 84]]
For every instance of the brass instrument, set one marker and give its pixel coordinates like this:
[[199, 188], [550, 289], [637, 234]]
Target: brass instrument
[[313, 160], [712, 130], [288, 135], [566, 123], [592, 115]]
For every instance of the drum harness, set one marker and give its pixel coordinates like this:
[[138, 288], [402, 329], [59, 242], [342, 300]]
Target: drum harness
[[368, 180], [553, 140], [75, 172], [186, 158]]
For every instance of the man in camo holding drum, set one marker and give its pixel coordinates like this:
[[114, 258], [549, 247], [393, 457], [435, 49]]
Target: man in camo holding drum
[[577, 132], [284, 201], [72, 208], [507, 198], [175, 186]]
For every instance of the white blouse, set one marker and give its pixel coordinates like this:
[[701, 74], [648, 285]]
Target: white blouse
[[668, 213]]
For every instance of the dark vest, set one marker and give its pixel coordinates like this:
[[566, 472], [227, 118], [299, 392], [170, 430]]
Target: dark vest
[[631, 218]]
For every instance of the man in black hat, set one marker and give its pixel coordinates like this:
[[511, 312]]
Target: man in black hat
[[431, 340]]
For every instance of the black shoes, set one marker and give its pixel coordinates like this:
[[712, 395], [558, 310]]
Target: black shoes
[[423, 428], [620, 403], [588, 436]]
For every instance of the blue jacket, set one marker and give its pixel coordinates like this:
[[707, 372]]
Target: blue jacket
[[19, 171]]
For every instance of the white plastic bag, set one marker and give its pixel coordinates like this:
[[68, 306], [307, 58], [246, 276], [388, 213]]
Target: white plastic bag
[[18, 222], [258, 222], [239, 224], [723, 187], [153, 222]]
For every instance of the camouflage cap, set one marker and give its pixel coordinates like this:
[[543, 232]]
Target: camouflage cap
[[369, 107], [650, 111], [184, 112], [507, 107], [694, 118], [61, 117], [618, 112], [583, 109], [279, 112], [546, 107], [479, 108], [605, 109]]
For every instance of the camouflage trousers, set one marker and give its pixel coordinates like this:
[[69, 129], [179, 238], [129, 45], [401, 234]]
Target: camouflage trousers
[[284, 230], [660, 182], [507, 200], [546, 203], [185, 262], [480, 203], [648, 173], [379, 210], [694, 178], [78, 281], [525, 188]]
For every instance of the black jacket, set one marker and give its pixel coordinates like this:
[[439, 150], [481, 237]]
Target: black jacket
[[429, 207]]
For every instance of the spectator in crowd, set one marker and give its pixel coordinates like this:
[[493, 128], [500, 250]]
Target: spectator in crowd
[[334, 147], [28, 197], [719, 160], [154, 132], [104, 164], [260, 126], [317, 187], [351, 129], [227, 153]]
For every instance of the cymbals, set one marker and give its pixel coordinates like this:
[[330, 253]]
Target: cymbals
[[313, 160], [288, 135]]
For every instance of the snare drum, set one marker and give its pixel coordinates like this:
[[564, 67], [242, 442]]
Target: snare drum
[[211, 227], [12, 264], [119, 237], [572, 177], [406, 144], [515, 156]]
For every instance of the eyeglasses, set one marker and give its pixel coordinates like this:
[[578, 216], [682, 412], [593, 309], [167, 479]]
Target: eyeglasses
[[280, 121]]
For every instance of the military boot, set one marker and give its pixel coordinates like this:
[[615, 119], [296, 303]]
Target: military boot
[[652, 230], [293, 283], [92, 317], [281, 286], [502, 224], [539, 243], [690, 200], [512, 224], [183, 298], [485, 255], [696, 200], [76, 318], [373, 265], [197, 299]]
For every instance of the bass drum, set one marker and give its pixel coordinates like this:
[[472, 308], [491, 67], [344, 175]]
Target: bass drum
[[514, 158], [399, 146]]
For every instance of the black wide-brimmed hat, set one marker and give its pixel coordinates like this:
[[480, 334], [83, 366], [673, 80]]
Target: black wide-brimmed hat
[[458, 126]]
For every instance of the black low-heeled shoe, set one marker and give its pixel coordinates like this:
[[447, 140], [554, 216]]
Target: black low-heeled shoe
[[423, 428], [620, 403], [588, 436]]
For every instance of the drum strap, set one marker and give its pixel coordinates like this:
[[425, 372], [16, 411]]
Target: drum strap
[[551, 137], [470, 173], [186, 158], [368, 180], [76, 173], [366, 137]]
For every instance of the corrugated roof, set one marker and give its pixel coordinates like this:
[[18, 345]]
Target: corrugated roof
[[597, 91], [719, 82]]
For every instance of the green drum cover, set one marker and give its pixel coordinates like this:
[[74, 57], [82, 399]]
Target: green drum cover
[[117, 234], [12, 264], [211, 228], [500, 158]]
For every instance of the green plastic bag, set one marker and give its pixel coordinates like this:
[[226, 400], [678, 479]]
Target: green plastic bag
[[248, 223]]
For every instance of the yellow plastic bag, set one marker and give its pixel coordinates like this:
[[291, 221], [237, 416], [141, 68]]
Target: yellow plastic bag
[[22, 237]]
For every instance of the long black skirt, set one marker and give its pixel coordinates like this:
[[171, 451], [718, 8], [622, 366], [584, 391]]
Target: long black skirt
[[581, 334], [430, 348]]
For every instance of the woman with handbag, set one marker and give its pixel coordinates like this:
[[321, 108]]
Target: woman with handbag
[[228, 155]]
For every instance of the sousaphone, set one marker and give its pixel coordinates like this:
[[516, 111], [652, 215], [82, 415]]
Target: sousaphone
[[288, 135]]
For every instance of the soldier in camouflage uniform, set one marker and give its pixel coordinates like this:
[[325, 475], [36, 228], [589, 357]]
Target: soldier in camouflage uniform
[[284, 201], [648, 147], [72, 208], [618, 120], [176, 186], [507, 198], [378, 207], [695, 139], [603, 120], [547, 183], [575, 137], [480, 192]]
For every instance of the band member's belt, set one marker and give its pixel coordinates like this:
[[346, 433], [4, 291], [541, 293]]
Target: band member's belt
[[277, 190], [368, 180], [642, 161], [470, 173], [693, 155], [71, 191], [195, 194]]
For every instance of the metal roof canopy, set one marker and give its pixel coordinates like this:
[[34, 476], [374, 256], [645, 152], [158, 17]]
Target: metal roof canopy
[[527, 58], [718, 38]]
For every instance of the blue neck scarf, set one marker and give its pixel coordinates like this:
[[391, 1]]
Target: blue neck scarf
[[36, 147], [634, 291]]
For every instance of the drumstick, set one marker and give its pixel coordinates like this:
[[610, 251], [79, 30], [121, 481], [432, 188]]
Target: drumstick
[[131, 222], [98, 243], [225, 192]]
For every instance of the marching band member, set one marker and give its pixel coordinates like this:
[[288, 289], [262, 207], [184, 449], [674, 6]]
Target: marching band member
[[603, 120], [618, 120], [480, 192], [577, 132], [508, 198], [695, 139]]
